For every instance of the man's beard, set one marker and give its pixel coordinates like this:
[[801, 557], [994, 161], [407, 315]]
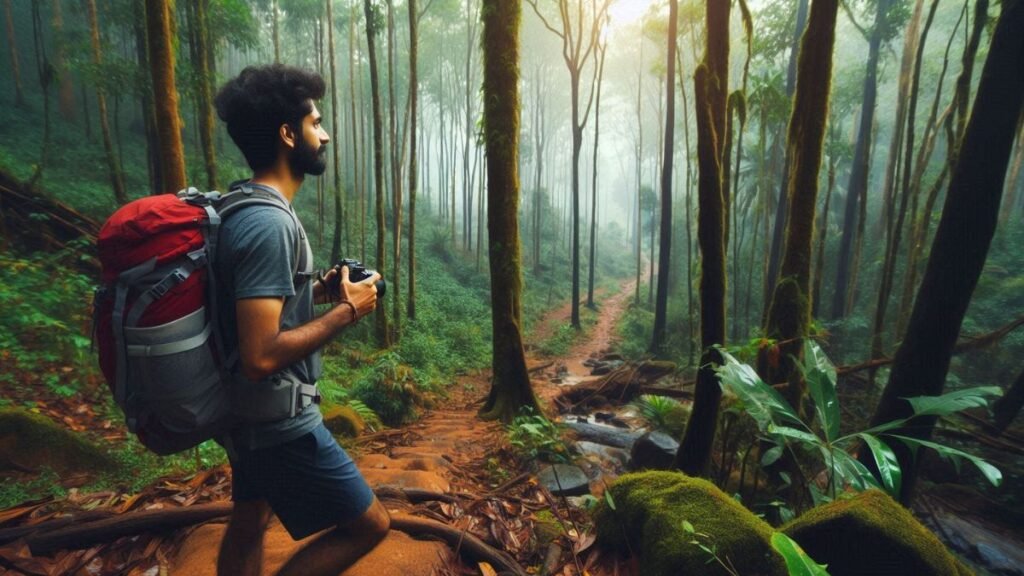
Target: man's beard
[[305, 160]]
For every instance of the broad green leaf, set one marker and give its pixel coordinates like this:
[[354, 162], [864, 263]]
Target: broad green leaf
[[608, 498], [798, 563], [764, 404], [800, 435], [771, 456], [820, 375], [991, 473], [852, 472], [688, 527], [953, 401], [888, 465]]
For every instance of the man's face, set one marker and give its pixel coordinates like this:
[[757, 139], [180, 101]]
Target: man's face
[[309, 156]]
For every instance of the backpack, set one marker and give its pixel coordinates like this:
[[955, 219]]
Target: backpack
[[155, 320]]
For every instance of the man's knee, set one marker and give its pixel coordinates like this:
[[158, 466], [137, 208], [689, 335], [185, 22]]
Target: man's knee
[[373, 524], [249, 519]]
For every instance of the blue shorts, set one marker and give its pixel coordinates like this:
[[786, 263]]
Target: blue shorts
[[310, 482]]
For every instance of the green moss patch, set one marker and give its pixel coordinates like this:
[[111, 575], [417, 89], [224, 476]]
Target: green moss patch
[[871, 534], [344, 421], [647, 519], [34, 442]]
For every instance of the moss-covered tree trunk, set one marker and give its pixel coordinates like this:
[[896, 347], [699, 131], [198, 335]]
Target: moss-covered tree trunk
[[789, 314], [381, 324], [963, 236], [116, 181], [202, 63], [410, 309], [665, 241], [710, 83], [510, 382], [165, 95]]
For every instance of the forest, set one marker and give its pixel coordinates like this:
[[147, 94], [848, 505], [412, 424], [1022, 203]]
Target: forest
[[725, 287]]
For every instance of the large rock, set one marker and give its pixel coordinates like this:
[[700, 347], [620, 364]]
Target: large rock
[[570, 480], [344, 421], [647, 519], [871, 534], [30, 441], [607, 435], [653, 451]]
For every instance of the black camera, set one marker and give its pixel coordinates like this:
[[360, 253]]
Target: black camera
[[356, 273]]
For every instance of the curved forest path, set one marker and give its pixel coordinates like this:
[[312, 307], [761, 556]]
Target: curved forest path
[[458, 465]]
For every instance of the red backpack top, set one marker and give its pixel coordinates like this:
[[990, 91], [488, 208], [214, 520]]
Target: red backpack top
[[155, 317]]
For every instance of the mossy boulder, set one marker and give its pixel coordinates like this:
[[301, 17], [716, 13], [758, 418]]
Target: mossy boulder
[[871, 533], [30, 441], [647, 519], [343, 421]]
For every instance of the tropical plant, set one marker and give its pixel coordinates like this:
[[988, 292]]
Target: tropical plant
[[663, 413], [534, 437], [779, 422]]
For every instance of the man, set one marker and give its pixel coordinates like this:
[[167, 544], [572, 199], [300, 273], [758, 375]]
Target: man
[[292, 467]]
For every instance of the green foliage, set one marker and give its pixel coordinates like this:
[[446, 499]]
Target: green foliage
[[780, 422], [534, 437], [634, 331], [798, 563], [390, 389], [663, 413]]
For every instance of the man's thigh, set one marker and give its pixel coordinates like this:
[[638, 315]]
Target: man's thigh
[[310, 482]]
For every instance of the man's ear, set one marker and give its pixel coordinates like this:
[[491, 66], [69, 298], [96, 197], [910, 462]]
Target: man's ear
[[287, 135]]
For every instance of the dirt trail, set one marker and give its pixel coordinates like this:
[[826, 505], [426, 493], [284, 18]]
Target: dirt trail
[[446, 451]]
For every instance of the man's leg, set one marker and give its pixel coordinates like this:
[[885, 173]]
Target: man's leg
[[241, 551], [337, 549]]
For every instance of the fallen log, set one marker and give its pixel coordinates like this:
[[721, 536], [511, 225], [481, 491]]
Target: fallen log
[[12, 534], [34, 221]]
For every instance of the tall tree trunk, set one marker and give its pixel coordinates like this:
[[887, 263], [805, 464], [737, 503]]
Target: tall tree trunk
[[510, 384], [819, 264], [206, 122], [667, 164], [12, 44], [965, 231], [1006, 408], [168, 123], [65, 90], [413, 166], [145, 91], [694, 453], [593, 200], [44, 73], [782, 206], [383, 334], [339, 194], [354, 144], [789, 314], [637, 232], [116, 182], [396, 184], [274, 34], [1014, 180], [861, 160]]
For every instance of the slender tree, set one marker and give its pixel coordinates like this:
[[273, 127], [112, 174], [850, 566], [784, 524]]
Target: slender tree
[[667, 164], [12, 44], [168, 123], [339, 195], [116, 181], [383, 334], [65, 89], [578, 30], [510, 385], [603, 47], [710, 88], [205, 89], [413, 165], [965, 231]]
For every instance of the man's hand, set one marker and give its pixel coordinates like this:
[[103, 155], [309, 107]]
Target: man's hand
[[362, 295], [322, 293]]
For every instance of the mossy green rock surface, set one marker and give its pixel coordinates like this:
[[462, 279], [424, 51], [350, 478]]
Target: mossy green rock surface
[[33, 441], [649, 509], [871, 533], [344, 421]]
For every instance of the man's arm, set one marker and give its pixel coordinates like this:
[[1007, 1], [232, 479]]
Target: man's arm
[[265, 349]]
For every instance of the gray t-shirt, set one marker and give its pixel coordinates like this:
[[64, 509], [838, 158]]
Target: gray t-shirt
[[257, 258]]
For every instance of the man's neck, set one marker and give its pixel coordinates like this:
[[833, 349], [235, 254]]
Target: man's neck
[[281, 178]]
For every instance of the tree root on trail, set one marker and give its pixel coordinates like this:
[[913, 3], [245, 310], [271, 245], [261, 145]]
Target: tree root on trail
[[48, 537]]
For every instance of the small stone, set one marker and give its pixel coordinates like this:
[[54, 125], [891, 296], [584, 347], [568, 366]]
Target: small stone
[[572, 481], [996, 560]]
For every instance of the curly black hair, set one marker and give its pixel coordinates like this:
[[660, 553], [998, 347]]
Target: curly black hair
[[258, 101]]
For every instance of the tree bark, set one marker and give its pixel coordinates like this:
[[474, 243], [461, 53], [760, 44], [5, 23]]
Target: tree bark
[[964, 234], [861, 161], [413, 158], [381, 324], [168, 123], [510, 384], [339, 195], [12, 44], [65, 90], [116, 181], [665, 242], [202, 63]]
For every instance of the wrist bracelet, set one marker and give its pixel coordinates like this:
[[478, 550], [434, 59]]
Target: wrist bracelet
[[355, 315]]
